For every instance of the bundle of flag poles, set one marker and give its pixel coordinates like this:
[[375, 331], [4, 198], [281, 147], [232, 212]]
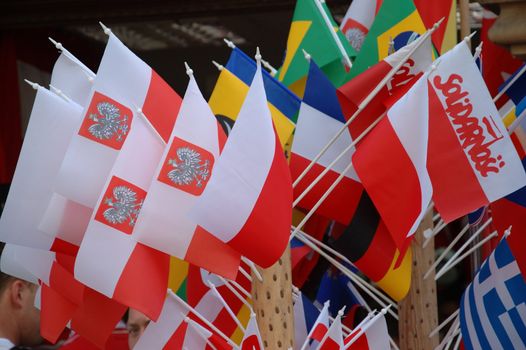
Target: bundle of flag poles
[[128, 195]]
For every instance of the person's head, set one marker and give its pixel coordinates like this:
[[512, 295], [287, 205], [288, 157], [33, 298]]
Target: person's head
[[19, 318], [136, 324]]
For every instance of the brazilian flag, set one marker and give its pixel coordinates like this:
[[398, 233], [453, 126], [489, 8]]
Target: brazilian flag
[[397, 20], [309, 31]]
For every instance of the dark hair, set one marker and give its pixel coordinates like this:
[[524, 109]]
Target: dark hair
[[4, 278]]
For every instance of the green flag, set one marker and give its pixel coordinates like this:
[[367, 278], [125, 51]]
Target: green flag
[[397, 20], [310, 31]]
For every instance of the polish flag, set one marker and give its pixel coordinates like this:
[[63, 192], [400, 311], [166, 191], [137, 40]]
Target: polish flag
[[180, 178], [109, 259], [252, 338], [52, 124], [64, 218], [333, 340], [320, 118], [319, 329], [353, 93], [123, 83], [370, 336], [358, 19], [471, 158], [391, 162], [248, 200]]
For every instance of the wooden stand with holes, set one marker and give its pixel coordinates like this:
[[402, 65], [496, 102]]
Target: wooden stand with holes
[[272, 302], [418, 311]]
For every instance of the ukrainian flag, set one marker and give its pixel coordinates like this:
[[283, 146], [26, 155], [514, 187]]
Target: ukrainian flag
[[232, 87], [397, 20]]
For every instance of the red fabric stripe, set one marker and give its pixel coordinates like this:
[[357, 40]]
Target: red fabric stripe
[[265, 236], [63, 282], [431, 12], [209, 252], [144, 281], [161, 106], [319, 332], [377, 259], [97, 316], [340, 204], [456, 189], [360, 344], [176, 341], [55, 313], [397, 198], [329, 344]]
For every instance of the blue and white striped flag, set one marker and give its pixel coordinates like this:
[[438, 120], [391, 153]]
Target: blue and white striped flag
[[493, 307]]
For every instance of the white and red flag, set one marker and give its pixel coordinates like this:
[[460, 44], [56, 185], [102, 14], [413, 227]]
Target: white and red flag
[[52, 123], [372, 335], [180, 178], [248, 200], [252, 338], [123, 83], [471, 158], [319, 329], [358, 19], [391, 163], [353, 93], [333, 340], [109, 259]]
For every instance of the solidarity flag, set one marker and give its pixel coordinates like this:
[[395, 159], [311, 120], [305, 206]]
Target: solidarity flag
[[352, 94], [248, 200], [320, 118], [498, 64], [398, 145], [372, 335], [252, 339], [492, 313], [305, 315], [396, 20], [467, 136], [52, 123], [310, 31], [445, 36], [357, 21], [232, 87], [123, 83], [366, 242], [180, 178]]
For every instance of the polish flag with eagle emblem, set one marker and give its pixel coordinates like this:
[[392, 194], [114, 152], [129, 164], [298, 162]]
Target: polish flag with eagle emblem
[[180, 178]]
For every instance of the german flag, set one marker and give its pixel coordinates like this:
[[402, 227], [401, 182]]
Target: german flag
[[366, 242]]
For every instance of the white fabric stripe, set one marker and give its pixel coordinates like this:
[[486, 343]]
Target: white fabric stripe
[[65, 219], [53, 122], [378, 335], [11, 265], [241, 170], [501, 276], [409, 119], [511, 176], [71, 77], [157, 334], [314, 130], [123, 77], [102, 256], [511, 331], [362, 11], [300, 326], [163, 222]]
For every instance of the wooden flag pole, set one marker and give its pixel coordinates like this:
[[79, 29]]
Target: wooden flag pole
[[465, 25], [272, 303], [418, 311]]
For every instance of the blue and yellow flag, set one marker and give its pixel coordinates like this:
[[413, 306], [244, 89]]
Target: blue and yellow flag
[[232, 87]]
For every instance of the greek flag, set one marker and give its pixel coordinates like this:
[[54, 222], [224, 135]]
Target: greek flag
[[493, 307]]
